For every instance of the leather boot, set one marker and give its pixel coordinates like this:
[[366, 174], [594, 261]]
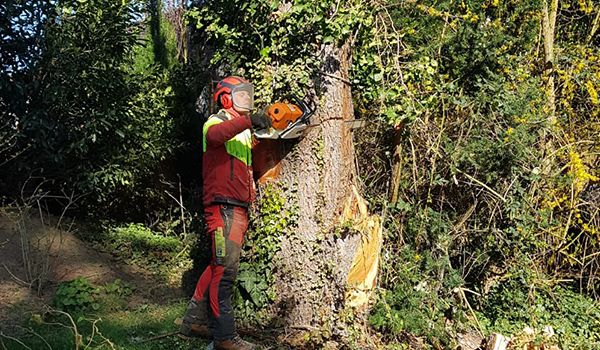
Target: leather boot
[[189, 330], [236, 343]]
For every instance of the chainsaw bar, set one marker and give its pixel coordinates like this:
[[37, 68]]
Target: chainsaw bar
[[352, 123], [297, 129], [290, 117]]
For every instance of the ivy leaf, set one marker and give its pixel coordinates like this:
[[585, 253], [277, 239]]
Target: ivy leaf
[[390, 113], [265, 52]]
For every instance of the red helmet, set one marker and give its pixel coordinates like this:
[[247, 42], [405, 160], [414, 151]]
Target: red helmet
[[234, 91]]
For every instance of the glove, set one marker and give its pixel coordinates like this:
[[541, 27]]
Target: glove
[[260, 120]]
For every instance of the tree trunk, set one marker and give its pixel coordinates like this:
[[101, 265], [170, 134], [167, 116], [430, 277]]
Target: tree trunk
[[313, 265]]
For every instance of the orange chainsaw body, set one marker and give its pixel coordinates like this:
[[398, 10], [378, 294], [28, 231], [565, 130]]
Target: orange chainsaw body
[[288, 120], [283, 114]]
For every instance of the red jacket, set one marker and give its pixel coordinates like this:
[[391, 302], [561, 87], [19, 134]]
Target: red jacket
[[227, 159]]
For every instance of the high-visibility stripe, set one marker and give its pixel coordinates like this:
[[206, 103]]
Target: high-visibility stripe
[[240, 146], [212, 120]]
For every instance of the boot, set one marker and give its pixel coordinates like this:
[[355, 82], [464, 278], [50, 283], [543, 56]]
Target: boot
[[189, 330], [236, 343]]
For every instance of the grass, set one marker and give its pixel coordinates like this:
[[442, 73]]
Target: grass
[[123, 329]]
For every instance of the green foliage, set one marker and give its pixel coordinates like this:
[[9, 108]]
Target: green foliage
[[138, 239], [421, 297], [93, 123], [526, 300], [476, 164], [121, 328], [275, 45], [275, 217], [118, 288], [22, 31], [159, 42], [78, 296], [115, 295]]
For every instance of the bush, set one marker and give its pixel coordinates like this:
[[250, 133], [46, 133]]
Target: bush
[[80, 296], [77, 296], [94, 125], [417, 302], [254, 286], [138, 238], [525, 300]]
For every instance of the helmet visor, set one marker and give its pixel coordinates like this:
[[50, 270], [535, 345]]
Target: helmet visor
[[243, 96]]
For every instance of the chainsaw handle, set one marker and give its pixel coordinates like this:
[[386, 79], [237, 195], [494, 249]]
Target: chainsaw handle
[[308, 110]]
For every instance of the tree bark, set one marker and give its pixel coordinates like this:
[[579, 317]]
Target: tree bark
[[313, 264]]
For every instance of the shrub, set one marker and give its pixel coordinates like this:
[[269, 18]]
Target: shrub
[[418, 301], [138, 238], [527, 300], [77, 295]]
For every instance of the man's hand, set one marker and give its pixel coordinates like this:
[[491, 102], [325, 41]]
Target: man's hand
[[260, 120]]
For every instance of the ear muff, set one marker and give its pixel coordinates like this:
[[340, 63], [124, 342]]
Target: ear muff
[[224, 89], [225, 101]]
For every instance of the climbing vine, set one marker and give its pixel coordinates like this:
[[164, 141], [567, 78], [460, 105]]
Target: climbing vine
[[275, 217], [277, 45]]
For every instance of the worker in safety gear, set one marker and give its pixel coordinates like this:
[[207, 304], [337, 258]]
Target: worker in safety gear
[[228, 191]]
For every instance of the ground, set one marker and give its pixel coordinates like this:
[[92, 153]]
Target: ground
[[144, 319], [68, 258], [61, 256]]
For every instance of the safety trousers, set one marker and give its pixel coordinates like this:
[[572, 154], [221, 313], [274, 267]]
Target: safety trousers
[[211, 303]]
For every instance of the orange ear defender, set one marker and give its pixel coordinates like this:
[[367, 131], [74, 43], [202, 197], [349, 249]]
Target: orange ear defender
[[225, 101], [224, 89]]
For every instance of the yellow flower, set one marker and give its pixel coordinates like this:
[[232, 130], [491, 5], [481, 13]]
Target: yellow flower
[[580, 176], [592, 91]]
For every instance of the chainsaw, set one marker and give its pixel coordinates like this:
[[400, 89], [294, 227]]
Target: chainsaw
[[289, 118]]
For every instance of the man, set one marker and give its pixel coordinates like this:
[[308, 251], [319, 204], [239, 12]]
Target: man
[[228, 190]]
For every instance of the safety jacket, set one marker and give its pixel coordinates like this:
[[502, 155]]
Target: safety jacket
[[227, 159]]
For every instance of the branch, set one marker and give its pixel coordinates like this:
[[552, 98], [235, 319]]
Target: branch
[[160, 336], [335, 77], [594, 27], [14, 339], [553, 12], [483, 185], [17, 279]]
